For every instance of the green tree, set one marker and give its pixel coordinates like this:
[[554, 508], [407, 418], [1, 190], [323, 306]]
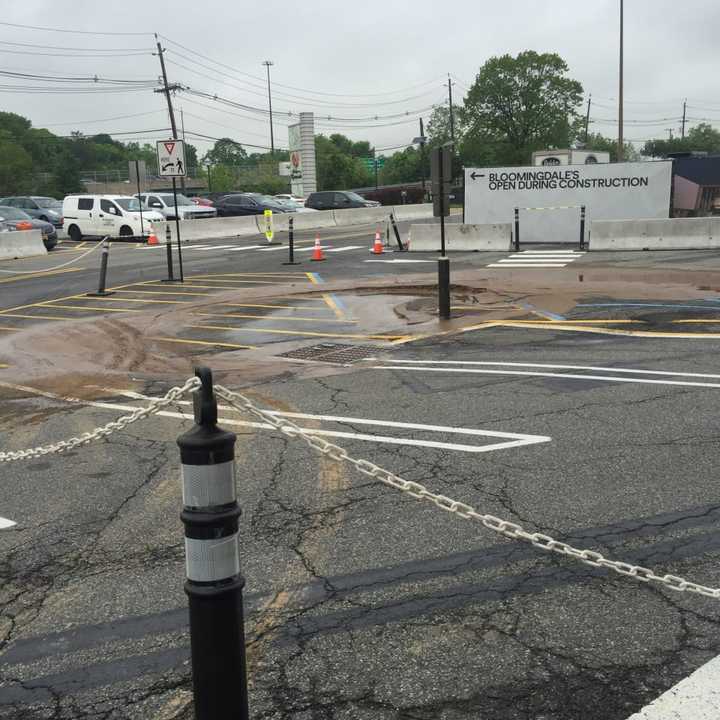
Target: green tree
[[337, 170], [225, 152], [438, 126], [16, 167], [600, 143], [221, 178], [404, 166], [15, 125], [701, 138], [521, 104]]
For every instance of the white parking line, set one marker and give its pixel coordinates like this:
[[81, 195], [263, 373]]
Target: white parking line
[[5, 523], [451, 367], [695, 698], [509, 440]]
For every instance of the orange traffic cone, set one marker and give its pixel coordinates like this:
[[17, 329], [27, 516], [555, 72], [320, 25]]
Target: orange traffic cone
[[377, 248], [317, 250], [152, 238]]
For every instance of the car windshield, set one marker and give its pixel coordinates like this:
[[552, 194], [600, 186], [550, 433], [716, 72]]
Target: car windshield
[[181, 200], [47, 202], [355, 197], [128, 203], [286, 202], [11, 213], [267, 200]]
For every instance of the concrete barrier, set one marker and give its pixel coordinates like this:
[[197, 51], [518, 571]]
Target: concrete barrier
[[426, 237], [665, 234], [21, 244], [412, 212], [361, 216], [210, 228], [311, 221]]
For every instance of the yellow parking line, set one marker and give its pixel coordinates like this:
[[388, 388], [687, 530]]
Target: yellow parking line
[[81, 245], [699, 321], [192, 283], [135, 300], [40, 273], [575, 322], [203, 342], [166, 292], [302, 276], [39, 317], [273, 307], [307, 333], [277, 317], [84, 307], [330, 302], [312, 278], [9, 329], [597, 330], [4, 366]]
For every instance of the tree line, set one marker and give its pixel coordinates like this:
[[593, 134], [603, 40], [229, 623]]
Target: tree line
[[515, 106]]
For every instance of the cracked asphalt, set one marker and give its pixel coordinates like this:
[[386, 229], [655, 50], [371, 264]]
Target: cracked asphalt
[[361, 602]]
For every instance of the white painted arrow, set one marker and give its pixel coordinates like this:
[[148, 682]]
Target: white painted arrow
[[5, 523]]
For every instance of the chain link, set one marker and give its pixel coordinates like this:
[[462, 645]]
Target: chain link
[[503, 527], [122, 422]]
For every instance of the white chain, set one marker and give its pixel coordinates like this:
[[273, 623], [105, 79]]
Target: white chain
[[64, 445], [503, 527]]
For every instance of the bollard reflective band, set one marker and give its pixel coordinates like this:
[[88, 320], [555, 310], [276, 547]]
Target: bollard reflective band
[[206, 486], [212, 560]]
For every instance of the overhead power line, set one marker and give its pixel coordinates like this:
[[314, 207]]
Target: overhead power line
[[74, 32], [72, 49], [235, 142]]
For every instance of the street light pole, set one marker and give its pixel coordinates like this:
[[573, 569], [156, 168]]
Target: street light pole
[[621, 145], [267, 64]]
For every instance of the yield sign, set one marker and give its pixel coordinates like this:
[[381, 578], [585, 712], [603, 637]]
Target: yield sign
[[169, 146]]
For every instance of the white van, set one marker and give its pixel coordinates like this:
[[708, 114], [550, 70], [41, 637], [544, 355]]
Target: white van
[[101, 215]]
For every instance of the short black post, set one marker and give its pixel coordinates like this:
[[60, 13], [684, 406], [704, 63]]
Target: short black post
[[397, 233], [444, 287], [101, 291], [582, 227], [168, 251], [214, 584], [291, 243], [517, 229]]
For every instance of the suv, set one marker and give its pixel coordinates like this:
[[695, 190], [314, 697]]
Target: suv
[[338, 200], [38, 207], [165, 205]]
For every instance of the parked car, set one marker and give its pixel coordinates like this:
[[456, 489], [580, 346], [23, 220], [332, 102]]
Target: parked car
[[14, 219], [36, 206], [247, 204], [293, 206], [165, 204], [338, 200], [112, 215], [205, 202], [293, 198]]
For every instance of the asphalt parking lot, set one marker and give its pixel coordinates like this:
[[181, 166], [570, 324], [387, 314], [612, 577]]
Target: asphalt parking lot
[[591, 419]]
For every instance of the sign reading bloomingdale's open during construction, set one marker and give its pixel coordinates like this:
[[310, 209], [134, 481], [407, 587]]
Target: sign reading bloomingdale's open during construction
[[549, 198]]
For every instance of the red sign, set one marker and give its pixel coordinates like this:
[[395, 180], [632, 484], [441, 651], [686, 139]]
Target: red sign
[[169, 146], [295, 159]]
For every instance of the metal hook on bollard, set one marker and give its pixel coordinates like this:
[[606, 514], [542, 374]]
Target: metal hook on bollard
[[214, 584]]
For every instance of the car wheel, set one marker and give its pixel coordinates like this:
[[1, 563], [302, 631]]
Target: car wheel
[[126, 231], [43, 218], [74, 233]]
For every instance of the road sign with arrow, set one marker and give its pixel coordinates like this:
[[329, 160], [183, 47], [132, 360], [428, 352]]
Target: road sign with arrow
[[474, 175], [171, 158]]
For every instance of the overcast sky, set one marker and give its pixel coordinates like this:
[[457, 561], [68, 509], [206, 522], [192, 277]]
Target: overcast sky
[[350, 60]]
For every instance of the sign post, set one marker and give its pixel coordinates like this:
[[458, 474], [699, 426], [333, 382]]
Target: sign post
[[440, 176], [171, 163]]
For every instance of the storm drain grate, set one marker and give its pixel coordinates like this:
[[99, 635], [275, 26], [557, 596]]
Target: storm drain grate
[[332, 352]]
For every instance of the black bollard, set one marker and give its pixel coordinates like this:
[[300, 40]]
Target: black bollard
[[214, 584], [582, 227], [517, 229], [291, 243], [168, 252], [397, 234], [444, 287], [101, 291]]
